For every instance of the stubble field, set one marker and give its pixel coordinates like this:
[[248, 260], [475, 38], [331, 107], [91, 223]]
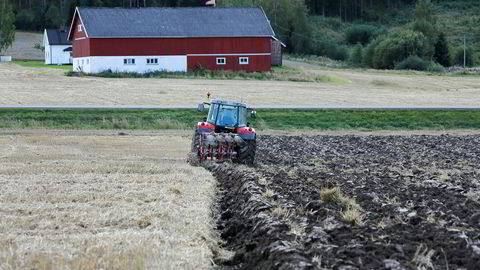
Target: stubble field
[[97, 200], [47, 86]]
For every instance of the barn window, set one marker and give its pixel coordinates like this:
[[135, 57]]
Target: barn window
[[80, 28], [243, 60], [129, 61], [88, 61], [152, 61], [221, 61]]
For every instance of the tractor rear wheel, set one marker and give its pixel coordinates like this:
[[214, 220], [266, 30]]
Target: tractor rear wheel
[[195, 142], [193, 157], [246, 152]]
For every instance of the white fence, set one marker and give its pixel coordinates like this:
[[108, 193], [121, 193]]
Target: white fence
[[5, 58]]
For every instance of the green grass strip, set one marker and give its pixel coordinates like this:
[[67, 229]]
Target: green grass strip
[[279, 119], [41, 64]]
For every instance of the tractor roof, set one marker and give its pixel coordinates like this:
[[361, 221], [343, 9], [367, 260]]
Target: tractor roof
[[229, 102]]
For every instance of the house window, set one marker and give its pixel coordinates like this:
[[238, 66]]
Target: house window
[[80, 28], [243, 60], [152, 61], [129, 61], [221, 61]]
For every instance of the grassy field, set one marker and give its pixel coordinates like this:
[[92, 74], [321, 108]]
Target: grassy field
[[277, 119], [103, 201], [41, 64]]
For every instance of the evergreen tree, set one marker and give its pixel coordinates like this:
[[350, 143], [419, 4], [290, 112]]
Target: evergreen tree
[[53, 18], [425, 21], [442, 53], [7, 26]]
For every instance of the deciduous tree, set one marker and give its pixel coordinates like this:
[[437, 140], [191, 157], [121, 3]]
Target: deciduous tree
[[7, 26]]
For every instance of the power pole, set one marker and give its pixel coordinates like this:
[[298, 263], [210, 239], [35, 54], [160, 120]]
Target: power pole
[[464, 51]]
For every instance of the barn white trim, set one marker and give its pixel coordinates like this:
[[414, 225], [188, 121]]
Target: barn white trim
[[96, 64]]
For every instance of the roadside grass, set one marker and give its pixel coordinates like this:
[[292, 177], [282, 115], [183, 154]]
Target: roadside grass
[[274, 119], [41, 64], [282, 73]]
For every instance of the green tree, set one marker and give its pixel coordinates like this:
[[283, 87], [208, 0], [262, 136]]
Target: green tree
[[442, 53], [398, 46], [459, 57], [53, 18], [289, 19], [425, 21], [24, 20], [361, 33], [301, 30], [356, 57], [7, 26], [369, 51]]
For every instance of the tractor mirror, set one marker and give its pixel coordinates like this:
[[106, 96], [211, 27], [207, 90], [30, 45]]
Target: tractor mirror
[[253, 114], [200, 107]]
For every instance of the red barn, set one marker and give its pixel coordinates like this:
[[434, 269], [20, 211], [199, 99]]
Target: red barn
[[171, 39]]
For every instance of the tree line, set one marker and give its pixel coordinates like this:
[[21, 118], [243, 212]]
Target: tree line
[[305, 26], [40, 14]]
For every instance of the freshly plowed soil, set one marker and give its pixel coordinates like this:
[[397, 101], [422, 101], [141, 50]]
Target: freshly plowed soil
[[401, 202]]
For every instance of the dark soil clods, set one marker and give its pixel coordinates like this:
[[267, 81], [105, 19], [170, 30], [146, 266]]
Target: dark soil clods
[[417, 197]]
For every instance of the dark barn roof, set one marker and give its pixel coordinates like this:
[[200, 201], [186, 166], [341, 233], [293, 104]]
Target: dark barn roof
[[175, 22], [58, 37]]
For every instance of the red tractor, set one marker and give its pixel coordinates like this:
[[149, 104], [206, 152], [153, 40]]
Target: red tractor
[[225, 133]]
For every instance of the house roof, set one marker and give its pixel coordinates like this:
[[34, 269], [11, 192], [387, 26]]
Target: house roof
[[175, 22], [58, 37]]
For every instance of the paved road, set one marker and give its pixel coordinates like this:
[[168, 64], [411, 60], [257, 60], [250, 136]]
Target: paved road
[[304, 107]]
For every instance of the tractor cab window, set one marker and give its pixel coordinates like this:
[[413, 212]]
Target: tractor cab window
[[227, 115], [212, 114], [242, 116]]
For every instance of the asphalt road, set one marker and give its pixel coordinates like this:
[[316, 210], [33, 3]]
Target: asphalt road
[[303, 107]]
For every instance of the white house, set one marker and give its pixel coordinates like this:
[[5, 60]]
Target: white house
[[58, 49]]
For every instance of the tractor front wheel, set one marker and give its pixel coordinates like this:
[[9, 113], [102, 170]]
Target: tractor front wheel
[[246, 152]]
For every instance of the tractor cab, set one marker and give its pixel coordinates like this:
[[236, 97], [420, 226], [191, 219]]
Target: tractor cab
[[225, 115]]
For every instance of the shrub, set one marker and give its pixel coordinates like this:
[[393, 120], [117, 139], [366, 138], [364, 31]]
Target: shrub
[[356, 57], [413, 63], [361, 33], [398, 46], [435, 67], [469, 57], [369, 51], [330, 48]]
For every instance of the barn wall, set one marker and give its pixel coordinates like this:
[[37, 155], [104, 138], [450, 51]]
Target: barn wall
[[255, 62], [177, 46], [80, 42], [58, 56]]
